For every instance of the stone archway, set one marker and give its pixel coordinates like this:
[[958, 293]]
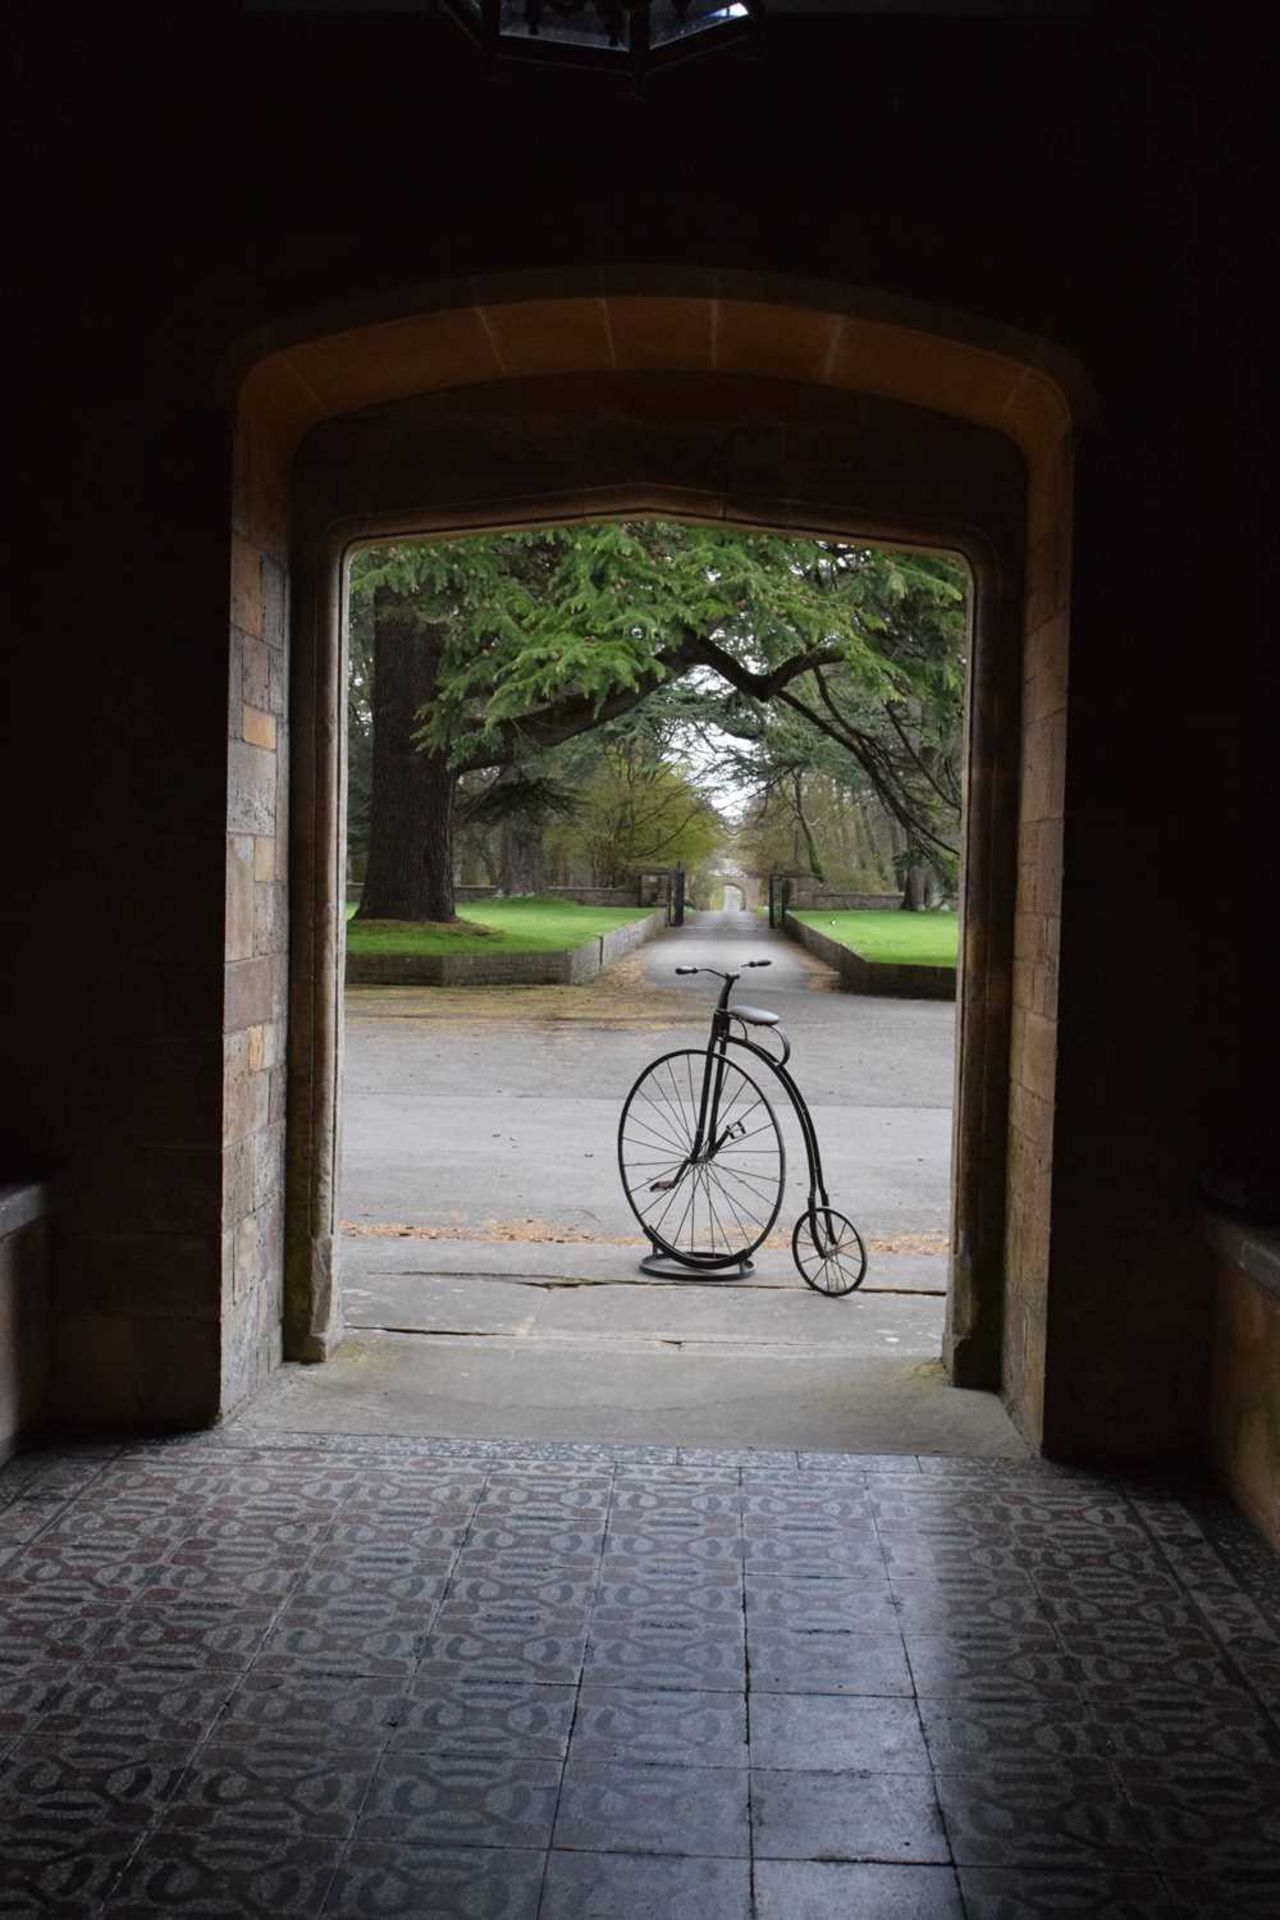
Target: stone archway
[[964, 437]]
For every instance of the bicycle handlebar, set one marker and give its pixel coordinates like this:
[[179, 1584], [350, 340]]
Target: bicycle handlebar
[[724, 976]]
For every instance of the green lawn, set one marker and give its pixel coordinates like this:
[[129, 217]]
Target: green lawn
[[908, 939], [492, 926]]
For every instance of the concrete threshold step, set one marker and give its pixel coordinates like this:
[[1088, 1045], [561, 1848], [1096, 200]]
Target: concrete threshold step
[[631, 1342], [726, 1316], [700, 1397], [583, 1262]]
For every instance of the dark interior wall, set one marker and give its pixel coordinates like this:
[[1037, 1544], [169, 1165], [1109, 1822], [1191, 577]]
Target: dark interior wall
[[1089, 184]]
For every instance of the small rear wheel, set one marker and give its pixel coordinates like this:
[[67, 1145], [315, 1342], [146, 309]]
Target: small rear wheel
[[827, 1248]]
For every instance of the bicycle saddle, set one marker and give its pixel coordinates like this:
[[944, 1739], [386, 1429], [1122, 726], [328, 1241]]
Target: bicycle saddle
[[756, 1016]]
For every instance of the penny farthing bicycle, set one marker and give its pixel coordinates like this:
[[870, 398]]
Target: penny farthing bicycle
[[703, 1163]]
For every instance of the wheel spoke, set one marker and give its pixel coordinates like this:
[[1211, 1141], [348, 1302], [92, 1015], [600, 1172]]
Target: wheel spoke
[[653, 1170], [652, 1189], [743, 1198], [754, 1183], [729, 1201], [688, 1206], [665, 1124], [716, 1221], [829, 1251], [695, 1102], [715, 1209], [652, 1139], [746, 1093], [683, 1121], [649, 1136], [727, 1117], [671, 1199]]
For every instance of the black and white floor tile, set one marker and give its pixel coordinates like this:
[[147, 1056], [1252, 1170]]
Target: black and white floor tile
[[259, 1673]]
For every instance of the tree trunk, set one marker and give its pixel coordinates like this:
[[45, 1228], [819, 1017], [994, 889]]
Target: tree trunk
[[880, 838], [410, 871], [920, 887], [812, 855], [522, 864]]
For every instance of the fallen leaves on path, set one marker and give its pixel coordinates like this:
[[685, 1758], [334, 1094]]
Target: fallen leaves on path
[[911, 1243], [623, 998], [537, 1232], [532, 1232]]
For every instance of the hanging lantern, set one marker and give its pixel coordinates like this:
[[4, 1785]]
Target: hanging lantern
[[636, 36]]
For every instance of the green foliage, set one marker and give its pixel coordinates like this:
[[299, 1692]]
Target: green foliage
[[905, 939], [529, 619], [528, 794], [359, 737], [795, 655], [837, 814], [637, 810], [493, 926]]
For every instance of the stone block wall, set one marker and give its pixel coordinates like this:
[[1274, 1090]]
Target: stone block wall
[[580, 896], [114, 966], [814, 899], [1037, 930], [597, 896], [25, 1310], [626, 939], [255, 1005], [1244, 1389]]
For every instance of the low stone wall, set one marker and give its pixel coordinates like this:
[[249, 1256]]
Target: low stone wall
[[1244, 1388], [596, 896], [571, 968], [580, 896], [803, 900], [24, 1311], [873, 976]]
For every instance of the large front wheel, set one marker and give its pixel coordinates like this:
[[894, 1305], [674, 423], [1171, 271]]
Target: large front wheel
[[706, 1199]]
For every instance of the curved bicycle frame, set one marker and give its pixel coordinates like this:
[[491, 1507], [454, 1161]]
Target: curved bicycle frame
[[817, 1186]]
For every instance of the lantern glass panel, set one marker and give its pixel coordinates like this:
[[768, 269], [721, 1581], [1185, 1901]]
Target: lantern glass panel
[[672, 20], [601, 24]]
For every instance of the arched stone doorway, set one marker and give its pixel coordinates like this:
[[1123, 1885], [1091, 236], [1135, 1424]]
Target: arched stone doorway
[[761, 404]]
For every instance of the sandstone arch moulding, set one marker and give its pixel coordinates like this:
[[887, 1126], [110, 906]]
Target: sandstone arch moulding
[[531, 398]]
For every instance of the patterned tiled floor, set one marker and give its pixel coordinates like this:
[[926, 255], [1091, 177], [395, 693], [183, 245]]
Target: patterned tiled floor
[[278, 1674]]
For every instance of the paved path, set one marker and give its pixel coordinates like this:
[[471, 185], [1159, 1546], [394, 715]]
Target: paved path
[[510, 1119], [487, 1222]]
